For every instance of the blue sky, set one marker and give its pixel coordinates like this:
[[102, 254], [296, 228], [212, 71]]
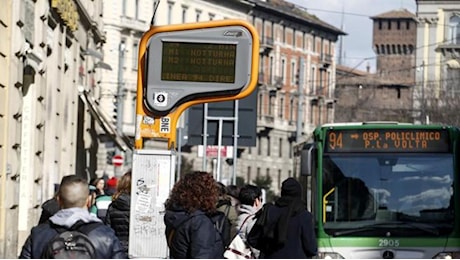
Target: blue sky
[[357, 45]]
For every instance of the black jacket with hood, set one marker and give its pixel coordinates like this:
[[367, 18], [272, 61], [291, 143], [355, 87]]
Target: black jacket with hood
[[118, 218], [192, 235], [103, 238]]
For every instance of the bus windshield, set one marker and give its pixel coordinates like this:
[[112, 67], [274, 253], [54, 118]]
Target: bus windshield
[[377, 194]]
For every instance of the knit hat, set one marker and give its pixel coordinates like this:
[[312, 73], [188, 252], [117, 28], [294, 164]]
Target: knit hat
[[112, 183], [291, 188]]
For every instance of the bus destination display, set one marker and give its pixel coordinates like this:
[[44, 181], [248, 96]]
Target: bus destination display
[[198, 62], [387, 140]]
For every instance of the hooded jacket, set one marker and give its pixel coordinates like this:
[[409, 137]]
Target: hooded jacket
[[194, 235], [103, 238], [246, 220], [118, 218], [286, 229]]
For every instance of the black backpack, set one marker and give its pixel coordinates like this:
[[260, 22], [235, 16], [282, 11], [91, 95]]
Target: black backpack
[[71, 243], [223, 225]]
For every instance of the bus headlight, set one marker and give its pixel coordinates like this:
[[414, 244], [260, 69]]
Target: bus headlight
[[448, 255], [328, 255]]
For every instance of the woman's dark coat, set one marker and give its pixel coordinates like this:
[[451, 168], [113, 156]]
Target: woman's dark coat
[[293, 239], [118, 218], [192, 235]]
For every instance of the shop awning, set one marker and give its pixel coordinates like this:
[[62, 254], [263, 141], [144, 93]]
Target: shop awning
[[121, 141]]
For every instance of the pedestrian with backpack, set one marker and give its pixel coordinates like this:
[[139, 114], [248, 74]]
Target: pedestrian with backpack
[[72, 232], [225, 219], [190, 233]]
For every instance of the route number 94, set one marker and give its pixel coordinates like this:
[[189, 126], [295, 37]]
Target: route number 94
[[388, 242]]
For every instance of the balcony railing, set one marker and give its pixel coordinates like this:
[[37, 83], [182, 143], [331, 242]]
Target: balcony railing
[[326, 59], [266, 45]]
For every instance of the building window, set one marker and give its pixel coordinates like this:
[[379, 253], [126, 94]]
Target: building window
[[272, 67], [271, 100], [293, 72], [28, 18], [211, 16], [184, 13], [197, 15], [389, 25], [283, 70], [291, 110], [123, 8], [313, 81], [304, 47], [284, 34], [259, 146], [380, 25], [136, 11], [281, 108], [258, 173], [134, 55], [133, 108], [261, 101], [267, 172], [408, 25], [268, 146], [290, 150], [454, 29], [280, 152], [293, 38], [170, 12], [398, 25], [313, 46]]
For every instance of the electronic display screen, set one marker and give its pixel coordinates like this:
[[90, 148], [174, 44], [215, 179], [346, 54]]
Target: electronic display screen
[[387, 140], [198, 62]]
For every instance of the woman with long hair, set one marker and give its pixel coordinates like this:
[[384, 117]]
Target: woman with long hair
[[118, 213], [190, 233]]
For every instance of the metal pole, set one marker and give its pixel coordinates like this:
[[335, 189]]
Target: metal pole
[[300, 96], [300, 101], [121, 60], [235, 142], [219, 147], [179, 153], [423, 119], [205, 134]]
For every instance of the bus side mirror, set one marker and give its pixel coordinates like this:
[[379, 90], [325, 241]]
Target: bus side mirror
[[307, 161]]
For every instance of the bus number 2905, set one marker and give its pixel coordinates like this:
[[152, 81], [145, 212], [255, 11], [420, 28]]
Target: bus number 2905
[[388, 243]]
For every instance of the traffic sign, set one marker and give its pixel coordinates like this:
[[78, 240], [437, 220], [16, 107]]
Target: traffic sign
[[117, 160]]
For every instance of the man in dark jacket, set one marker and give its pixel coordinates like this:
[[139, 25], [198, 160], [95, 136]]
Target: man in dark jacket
[[73, 199], [286, 229]]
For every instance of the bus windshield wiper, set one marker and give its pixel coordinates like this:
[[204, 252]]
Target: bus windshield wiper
[[419, 226]]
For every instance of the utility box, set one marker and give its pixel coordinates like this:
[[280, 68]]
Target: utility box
[[152, 179]]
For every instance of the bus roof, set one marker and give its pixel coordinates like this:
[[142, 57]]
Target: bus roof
[[365, 123]]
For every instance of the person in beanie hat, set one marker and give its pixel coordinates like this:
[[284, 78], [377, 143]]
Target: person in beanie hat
[[285, 229], [111, 186]]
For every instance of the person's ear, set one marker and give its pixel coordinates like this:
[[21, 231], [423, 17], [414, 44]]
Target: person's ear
[[59, 201], [89, 200]]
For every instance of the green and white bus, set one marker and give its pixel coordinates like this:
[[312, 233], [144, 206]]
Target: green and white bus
[[384, 190]]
